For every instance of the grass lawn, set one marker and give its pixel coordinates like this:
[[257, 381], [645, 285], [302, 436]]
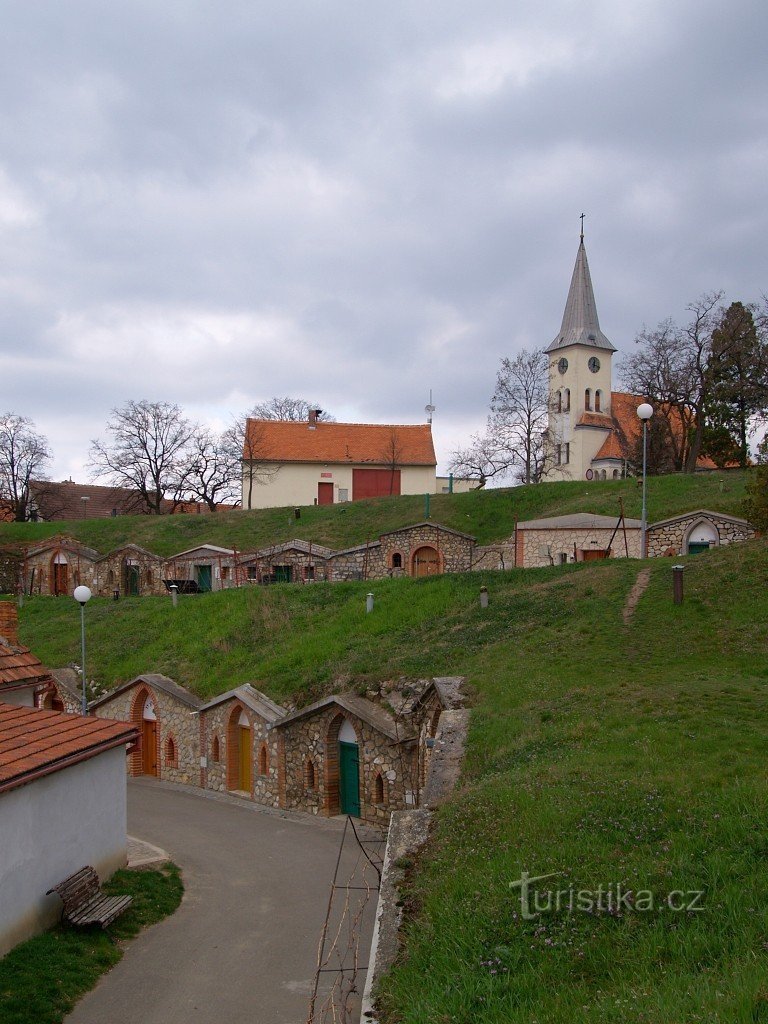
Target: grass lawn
[[602, 753], [43, 978], [488, 515]]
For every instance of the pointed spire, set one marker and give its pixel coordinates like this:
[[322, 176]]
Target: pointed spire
[[580, 324]]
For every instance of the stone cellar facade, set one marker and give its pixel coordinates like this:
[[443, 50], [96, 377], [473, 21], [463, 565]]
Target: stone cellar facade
[[345, 754], [695, 532]]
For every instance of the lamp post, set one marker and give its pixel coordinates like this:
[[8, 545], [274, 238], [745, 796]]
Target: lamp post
[[82, 595], [644, 411]]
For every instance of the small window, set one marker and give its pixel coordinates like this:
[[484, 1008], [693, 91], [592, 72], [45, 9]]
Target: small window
[[397, 560], [559, 401], [588, 400], [598, 398], [309, 572], [567, 400], [567, 452], [558, 454], [148, 577], [309, 774], [378, 789], [215, 750], [615, 474], [170, 753], [263, 760], [253, 572], [343, 494], [225, 572]]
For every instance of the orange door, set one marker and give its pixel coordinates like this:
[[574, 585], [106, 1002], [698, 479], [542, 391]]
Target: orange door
[[60, 578], [149, 747], [245, 760], [426, 562]]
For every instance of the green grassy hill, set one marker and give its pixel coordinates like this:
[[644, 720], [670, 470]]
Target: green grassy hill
[[608, 753], [488, 515]]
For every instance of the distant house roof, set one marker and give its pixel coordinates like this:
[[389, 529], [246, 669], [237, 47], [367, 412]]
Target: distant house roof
[[361, 708], [578, 521], [34, 743], [69, 500], [253, 699], [20, 669], [373, 444], [157, 682]]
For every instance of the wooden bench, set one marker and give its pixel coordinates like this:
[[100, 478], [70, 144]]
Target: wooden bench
[[84, 903]]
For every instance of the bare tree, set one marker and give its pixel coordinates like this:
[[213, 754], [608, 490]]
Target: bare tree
[[294, 409], [244, 442], [210, 473], [515, 434], [24, 454], [393, 457], [672, 368], [146, 451]]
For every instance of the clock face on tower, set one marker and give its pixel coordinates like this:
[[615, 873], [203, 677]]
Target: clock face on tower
[[594, 364], [562, 365]]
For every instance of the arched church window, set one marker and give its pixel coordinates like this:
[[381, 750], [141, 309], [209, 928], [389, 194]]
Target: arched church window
[[567, 400], [598, 398], [588, 400], [559, 401]]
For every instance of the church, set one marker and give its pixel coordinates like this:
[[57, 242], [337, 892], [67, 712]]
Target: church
[[592, 428]]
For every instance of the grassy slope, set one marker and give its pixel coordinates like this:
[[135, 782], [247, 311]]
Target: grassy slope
[[612, 754], [488, 515]]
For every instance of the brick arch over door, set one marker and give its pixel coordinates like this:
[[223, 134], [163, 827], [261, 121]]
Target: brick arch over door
[[143, 694], [332, 801]]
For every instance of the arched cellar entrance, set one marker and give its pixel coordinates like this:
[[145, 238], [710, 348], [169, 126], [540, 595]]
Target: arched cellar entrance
[[239, 744], [701, 537], [426, 561], [342, 769], [149, 738]]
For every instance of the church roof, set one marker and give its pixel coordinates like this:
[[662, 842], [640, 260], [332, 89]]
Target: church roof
[[580, 324]]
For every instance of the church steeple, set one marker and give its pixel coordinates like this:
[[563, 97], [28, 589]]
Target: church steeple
[[580, 324]]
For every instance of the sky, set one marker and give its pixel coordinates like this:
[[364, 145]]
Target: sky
[[211, 203]]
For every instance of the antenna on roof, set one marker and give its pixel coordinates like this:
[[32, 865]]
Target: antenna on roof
[[429, 409]]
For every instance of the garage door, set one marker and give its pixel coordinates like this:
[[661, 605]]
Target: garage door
[[374, 483]]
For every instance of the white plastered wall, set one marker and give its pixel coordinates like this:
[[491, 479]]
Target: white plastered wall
[[53, 827], [296, 484]]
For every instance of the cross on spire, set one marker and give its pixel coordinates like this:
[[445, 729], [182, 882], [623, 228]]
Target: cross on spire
[[582, 227]]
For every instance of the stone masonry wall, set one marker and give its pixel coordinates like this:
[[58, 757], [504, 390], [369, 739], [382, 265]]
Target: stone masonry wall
[[360, 564], [304, 567], [38, 574], [111, 573], [669, 538], [455, 552], [216, 721], [307, 740], [174, 720]]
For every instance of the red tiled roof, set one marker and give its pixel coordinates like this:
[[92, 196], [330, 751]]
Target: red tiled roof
[[347, 443], [595, 419], [65, 500], [19, 668], [35, 743], [610, 448]]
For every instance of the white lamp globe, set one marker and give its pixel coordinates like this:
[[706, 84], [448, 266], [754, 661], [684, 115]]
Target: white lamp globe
[[645, 411], [82, 595]]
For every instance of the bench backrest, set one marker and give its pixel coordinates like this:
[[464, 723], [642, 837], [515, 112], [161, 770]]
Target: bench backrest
[[78, 888]]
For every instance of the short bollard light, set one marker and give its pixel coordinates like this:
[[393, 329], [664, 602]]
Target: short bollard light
[[174, 594], [483, 597], [83, 595], [369, 603]]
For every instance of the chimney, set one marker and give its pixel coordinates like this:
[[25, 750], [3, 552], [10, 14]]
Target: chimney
[[313, 416], [9, 622]]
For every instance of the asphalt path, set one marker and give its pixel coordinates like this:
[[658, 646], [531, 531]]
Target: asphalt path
[[243, 944]]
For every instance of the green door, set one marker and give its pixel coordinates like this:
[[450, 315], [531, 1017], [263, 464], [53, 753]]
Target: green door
[[132, 575], [695, 547], [282, 573], [203, 578], [349, 779]]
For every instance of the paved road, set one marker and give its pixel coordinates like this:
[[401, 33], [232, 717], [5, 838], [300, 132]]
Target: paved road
[[243, 944]]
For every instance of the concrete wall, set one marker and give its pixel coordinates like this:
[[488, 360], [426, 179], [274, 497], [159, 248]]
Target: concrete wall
[[297, 484], [534, 547], [53, 827]]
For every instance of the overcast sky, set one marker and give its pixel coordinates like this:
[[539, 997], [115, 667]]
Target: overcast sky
[[211, 203]]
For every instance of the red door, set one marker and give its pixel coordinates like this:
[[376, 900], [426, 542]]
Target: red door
[[375, 483], [325, 494]]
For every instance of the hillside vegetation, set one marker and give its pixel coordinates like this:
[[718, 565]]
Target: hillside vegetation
[[606, 754], [488, 515]]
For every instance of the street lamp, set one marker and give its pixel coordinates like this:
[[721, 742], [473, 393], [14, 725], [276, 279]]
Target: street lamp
[[82, 595], [644, 411]]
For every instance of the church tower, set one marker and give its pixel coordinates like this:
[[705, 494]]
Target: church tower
[[581, 425]]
